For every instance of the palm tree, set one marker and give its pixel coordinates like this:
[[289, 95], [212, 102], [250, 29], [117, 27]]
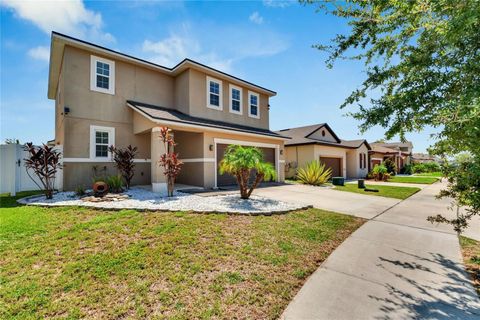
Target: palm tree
[[240, 161]]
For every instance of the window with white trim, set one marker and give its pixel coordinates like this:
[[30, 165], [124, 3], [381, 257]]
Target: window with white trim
[[235, 99], [214, 93], [102, 75], [253, 105], [100, 139]]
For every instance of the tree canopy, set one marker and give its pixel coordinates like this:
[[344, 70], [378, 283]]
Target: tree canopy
[[422, 57]]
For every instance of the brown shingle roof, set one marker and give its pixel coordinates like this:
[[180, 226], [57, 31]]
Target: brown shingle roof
[[162, 113], [300, 136]]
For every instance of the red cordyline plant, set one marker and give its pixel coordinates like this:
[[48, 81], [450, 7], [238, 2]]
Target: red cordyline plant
[[123, 159], [44, 161], [169, 160]]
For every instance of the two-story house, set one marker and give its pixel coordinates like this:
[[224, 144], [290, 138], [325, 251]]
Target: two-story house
[[104, 97]]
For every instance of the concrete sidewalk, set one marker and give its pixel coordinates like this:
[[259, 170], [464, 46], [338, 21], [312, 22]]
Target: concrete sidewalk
[[397, 265]]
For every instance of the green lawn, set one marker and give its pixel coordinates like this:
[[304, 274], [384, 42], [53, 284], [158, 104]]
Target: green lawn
[[413, 179], [81, 263], [471, 257], [429, 174], [383, 191]]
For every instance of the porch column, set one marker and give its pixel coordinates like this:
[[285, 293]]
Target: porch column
[[159, 182]]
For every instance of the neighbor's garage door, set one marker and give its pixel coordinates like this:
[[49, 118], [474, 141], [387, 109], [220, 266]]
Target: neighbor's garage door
[[227, 179], [335, 164]]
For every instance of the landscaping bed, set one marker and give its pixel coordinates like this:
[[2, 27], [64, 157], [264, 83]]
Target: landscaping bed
[[383, 191], [142, 199], [413, 179], [471, 257], [75, 262]]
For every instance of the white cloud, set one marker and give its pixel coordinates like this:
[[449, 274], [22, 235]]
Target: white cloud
[[277, 3], [172, 50], [70, 17], [256, 18], [212, 48], [40, 53]]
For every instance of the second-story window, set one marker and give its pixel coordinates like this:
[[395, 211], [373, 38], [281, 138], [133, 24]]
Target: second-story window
[[253, 105], [102, 75], [214, 93], [235, 99]]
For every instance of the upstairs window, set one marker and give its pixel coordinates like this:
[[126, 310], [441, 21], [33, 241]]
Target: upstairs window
[[235, 99], [102, 75], [253, 108], [100, 139], [214, 93]]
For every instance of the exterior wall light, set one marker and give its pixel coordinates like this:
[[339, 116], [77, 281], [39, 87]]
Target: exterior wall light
[[210, 147]]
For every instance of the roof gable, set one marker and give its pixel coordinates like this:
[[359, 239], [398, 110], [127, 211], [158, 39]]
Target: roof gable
[[323, 133]]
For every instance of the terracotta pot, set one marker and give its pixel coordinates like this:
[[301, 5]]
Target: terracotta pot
[[100, 188]]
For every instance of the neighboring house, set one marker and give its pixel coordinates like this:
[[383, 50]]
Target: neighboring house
[[399, 152], [103, 97], [347, 158]]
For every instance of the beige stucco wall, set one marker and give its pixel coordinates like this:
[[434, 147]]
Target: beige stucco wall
[[59, 109], [81, 174], [318, 135], [198, 103], [182, 92], [77, 137], [297, 157], [131, 83], [353, 162]]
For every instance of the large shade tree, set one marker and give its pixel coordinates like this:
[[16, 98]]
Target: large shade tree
[[422, 61], [242, 162]]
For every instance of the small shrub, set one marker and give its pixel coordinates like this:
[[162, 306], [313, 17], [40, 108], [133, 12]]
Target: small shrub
[[314, 173], [391, 166], [80, 191], [379, 171], [44, 161], [426, 167], [407, 169], [432, 167], [386, 176], [123, 159], [370, 175], [115, 183], [169, 160]]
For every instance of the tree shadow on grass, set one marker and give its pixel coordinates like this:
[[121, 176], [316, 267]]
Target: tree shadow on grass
[[446, 293]]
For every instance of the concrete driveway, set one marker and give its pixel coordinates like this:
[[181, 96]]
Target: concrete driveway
[[354, 204], [396, 266]]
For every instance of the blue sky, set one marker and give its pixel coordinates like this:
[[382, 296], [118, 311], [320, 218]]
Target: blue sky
[[265, 42]]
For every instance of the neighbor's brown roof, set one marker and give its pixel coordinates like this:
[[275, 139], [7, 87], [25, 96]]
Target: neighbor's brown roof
[[377, 147], [300, 136], [162, 113]]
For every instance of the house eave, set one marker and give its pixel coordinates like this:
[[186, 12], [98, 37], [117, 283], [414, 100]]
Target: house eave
[[182, 124]]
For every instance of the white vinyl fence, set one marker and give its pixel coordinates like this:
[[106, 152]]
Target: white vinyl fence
[[13, 174]]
